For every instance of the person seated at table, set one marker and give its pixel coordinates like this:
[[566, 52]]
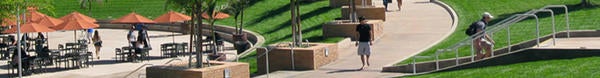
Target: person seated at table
[[138, 49], [5, 43], [24, 40], [24, 56]]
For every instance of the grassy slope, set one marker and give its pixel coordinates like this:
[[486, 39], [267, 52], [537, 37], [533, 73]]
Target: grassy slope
[[470, 10], [270, 18], [563, 68]]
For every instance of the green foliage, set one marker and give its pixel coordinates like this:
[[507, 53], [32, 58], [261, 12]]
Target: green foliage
[[562, 68], [9, 7]]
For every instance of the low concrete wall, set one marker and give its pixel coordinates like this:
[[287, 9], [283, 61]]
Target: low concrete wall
[[309, 58], [344, 28], [369, 12], [235, 70], [502, 53], [338, 3]]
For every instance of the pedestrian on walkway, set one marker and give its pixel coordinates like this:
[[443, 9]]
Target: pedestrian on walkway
[[385, 3], [364, 41], [482, 40], [97, 43], [399, 4]]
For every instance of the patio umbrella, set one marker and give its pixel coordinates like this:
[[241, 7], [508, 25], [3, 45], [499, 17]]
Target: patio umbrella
[[35, 16], [49, 21], [78, 16], [170, 17], [132, 18], [30, 28], [76, 24], [8, 22], [218, 15]]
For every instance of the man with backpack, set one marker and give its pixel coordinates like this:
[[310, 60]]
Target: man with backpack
[[481, 40]]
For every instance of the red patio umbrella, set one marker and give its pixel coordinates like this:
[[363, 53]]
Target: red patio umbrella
[[78, 16], [172, 16], [30, 28], [49, 21], [76, 24], [35, 16], [132, 18]]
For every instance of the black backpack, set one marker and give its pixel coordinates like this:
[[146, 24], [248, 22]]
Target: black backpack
[[471, 30]]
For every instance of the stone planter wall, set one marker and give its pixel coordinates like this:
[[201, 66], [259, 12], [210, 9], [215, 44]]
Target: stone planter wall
[[369, 12], [344, 28], [180, 70], [338, 3], [310, 58]]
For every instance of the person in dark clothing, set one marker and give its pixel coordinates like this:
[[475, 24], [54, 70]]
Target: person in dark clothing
[[385, 4], [24, 57], [364, 41], [143, 36]]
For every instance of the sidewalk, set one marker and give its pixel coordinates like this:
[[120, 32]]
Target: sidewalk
[[417, 27]]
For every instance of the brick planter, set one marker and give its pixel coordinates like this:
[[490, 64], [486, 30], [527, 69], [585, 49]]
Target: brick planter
[[338, 3], [235, 70], [309, 58], [369, 12], [345, 28]]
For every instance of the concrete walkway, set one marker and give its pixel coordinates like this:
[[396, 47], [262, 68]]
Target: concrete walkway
[[417, 27]]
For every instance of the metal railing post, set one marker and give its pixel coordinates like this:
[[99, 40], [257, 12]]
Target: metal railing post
[[537, 27], [456, 50], [293, 61], [566, 16], [553, 25], [267, 50], [437, 62], [414, 65], [472, 50], [508, 39]]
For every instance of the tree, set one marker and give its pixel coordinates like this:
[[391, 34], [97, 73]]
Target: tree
[[296, 26], [236, 8], [9, 7], [193, 6]]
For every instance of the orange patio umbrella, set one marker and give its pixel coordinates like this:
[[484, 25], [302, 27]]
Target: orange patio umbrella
[[30, 28], [8, 22], [132, 18], [49, 21], [218, 15], [172, 16], [35, 16], [78, 16], [75, 24]]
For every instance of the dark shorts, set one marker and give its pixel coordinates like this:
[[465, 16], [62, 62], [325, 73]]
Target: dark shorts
[[98, 44]]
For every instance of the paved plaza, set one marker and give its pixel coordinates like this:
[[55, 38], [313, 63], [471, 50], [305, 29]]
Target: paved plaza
[[106, 66]]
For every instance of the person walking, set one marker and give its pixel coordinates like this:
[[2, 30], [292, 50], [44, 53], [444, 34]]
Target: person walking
[[399, 4], [482, 40], [97, 43], [364, 41], [131, 37], [385, 4]]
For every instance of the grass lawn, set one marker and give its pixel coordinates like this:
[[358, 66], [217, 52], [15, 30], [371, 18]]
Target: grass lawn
[[563, 68], [270, 18], [470, 11]]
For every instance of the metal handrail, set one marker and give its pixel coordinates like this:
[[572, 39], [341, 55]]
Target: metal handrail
[[266, 54], [504, 24]]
